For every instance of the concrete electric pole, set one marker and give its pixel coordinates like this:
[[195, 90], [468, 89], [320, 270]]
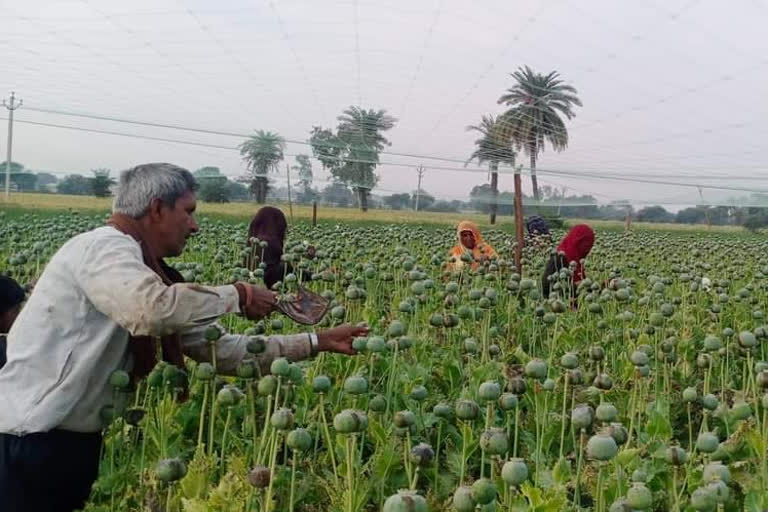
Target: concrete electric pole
[[420, 171], [11, 106]]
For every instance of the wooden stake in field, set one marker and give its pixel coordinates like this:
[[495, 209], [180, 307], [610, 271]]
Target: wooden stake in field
[[314, 213], [518, 223]]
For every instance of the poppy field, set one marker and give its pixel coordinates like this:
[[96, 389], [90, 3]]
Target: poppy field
[[649, 391]]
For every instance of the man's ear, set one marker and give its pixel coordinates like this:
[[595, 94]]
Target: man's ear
[[155, 209]]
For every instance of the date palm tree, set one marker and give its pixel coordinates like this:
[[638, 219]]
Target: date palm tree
[[536, 103], [262, 153], [491, 147]]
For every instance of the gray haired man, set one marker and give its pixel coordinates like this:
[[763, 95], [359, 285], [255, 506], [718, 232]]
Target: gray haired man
[[101, 303]]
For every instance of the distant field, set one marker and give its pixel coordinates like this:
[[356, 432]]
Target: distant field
[[244, 211]]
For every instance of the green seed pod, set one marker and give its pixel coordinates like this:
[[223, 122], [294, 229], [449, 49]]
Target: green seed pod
[[246, 369], [582, 417], [107, 414], [267, 385], [712, 343], [280, 367], [212, 333], [170, 470], [483, 491], [396, 329], [259, 477], [569, 361], [321, 384], [378, 404], [575, 377], [639, 497], [470, 346], [690, 395], [119, 379], [376, 344], [467, 410], [639, 476], [596, 353], [299, 440], [719, 490], [489, 391], [639, 358], [422, 455], [350, 421], [442, 410], [676, 456], [548, 385], [741, 411], [606, 412], [603, 382], [709, 402], [256, 345], [747, 339], [514, 472], [356, 385], [405, 501], [494, 442], [404, 419], [707, 442], [419, 393], [716, 471], [463, 500], [618, 433], [282, 419], [536, 369], [601, 446], [134, 415], [338, 312], [703, 500], [507, 401], [205, 372], [620, 505], [226, 397], [360, 344]]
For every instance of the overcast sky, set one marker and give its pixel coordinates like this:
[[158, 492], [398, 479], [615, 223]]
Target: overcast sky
[[673, 91]]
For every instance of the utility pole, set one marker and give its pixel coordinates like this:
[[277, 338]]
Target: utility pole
[[11, 106], [290, 203], [420, 171], [519, 237]]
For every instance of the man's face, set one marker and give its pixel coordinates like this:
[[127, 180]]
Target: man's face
[[468, 239], [175, 224]]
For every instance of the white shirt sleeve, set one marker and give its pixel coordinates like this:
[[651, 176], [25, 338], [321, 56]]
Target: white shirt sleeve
[[115, 279], [231, 349]]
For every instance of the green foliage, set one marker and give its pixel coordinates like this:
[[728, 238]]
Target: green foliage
[[75, 184], [101, 183], [351, 154], [262, 154]]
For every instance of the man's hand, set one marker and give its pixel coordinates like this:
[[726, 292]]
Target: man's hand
[[339, 339], [263, 303]]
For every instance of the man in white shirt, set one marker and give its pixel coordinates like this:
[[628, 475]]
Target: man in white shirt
[[100, 305]]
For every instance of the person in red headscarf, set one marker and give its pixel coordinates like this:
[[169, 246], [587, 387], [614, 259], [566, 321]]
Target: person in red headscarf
[[572, 249]]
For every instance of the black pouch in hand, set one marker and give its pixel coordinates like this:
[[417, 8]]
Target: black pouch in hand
[[305, 307]]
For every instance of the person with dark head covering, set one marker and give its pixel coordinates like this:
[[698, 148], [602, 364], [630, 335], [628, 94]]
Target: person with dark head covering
[[11, 299], [572, 249], [269, 225]]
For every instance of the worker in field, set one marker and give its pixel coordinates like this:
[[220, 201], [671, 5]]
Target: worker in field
[[471, 249], [270, 227], [11, 299], [104, 302], [570, 252]]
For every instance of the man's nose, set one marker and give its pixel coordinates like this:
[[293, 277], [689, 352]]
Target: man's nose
[[195, 227]]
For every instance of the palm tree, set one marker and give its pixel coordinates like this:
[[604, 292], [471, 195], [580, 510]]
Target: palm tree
[[262, 153], [361, 131], [536, 102], [491, 147]]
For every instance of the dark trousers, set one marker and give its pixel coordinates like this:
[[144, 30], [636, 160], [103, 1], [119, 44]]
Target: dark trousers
[[47, 472]]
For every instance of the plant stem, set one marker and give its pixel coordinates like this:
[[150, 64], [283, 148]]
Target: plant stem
[[293, 481], [201, 427], [328, 439]]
